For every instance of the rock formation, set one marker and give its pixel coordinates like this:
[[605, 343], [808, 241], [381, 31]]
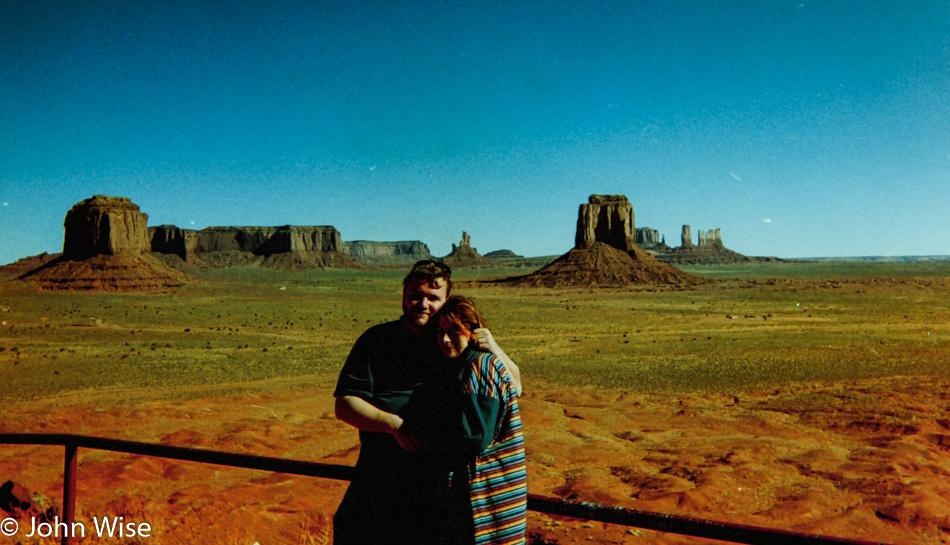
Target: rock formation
[[647, 237], [19, 502], [168, 239], [503, 254], [105, 247], [24, 265], [607, 219], [306, 260], [605, 253], [714, 239], [687, 237], [708, 250], [651, 240], [464, 255], [387, 253], [509, 259], [285, 247], [105, 225]]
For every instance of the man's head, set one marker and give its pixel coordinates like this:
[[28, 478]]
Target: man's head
[[424, 291]]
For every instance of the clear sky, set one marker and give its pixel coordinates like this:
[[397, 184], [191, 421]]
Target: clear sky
[[800, 128]]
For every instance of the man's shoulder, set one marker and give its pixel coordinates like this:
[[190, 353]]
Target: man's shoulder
[[371, 354], [393, 329], [393, 340]]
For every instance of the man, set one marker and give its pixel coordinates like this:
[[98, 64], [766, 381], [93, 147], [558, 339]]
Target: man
[[390, 500]]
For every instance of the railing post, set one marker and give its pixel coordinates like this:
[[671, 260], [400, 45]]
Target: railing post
[[69, 490]]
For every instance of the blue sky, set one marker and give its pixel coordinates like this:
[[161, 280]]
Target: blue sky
[[801, 128]]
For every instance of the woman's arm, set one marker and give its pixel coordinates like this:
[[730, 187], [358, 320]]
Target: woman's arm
[[485, 341], [472, 419], [467, 427]]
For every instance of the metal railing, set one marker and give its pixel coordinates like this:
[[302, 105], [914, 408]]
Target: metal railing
[[734, 533]]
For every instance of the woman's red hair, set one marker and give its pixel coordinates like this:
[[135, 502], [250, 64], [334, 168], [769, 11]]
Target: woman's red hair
[[461, 312]]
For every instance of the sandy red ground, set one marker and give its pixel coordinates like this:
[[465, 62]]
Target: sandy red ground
[[867, 460]]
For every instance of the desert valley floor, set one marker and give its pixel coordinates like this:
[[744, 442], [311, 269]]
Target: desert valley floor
[[805, 397]]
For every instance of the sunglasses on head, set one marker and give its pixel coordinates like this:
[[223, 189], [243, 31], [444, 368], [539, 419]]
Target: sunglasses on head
[[431, 263]]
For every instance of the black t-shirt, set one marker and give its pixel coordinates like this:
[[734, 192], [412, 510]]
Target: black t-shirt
[[390, 495], [387, 363]]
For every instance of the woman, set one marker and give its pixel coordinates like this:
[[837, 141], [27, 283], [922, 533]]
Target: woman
[[469, 421]]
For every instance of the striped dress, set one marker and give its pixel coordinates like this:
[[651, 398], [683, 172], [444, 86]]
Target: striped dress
[[496, 476]]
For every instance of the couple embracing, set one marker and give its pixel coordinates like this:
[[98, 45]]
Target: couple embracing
[[435, 400]]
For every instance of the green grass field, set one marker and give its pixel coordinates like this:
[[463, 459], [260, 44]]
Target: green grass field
[[752, 326]]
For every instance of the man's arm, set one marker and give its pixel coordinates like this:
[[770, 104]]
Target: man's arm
[[484, 340], [362, 415]]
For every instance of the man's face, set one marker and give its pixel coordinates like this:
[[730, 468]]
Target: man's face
[[421, 300]]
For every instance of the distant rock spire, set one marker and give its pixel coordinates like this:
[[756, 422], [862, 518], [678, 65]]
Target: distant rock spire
[[464, 255], [687, 237]]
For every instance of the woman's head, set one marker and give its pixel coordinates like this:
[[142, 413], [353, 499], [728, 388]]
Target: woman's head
[[458, 318]]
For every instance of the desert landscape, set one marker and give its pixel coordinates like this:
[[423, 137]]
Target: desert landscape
[[803, 396], [203, 205]]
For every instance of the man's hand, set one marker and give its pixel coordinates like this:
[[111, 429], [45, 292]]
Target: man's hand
[[484, 341], [360, 414], [364, 416], [407, 439]]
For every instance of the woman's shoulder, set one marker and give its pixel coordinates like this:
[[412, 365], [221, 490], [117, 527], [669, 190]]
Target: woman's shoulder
[[483, 359], [486, 365]]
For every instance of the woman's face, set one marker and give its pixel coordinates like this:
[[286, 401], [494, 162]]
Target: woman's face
[[452, 339]]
